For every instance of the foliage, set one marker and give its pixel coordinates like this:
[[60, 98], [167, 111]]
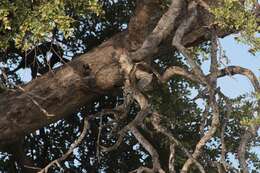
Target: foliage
[[233, 15], [28, 23], [66, 21]]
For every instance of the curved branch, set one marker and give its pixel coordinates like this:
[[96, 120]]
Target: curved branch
[[72, 147], [148, 147], [233, 70], [175, 70], [230, 70], [206, 137], [130, 72], [178, 37], [114, 146], [211, 84]]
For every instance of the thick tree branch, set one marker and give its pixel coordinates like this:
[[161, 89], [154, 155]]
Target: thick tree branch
[[175, 70], [160, 32], [60, 94], [64, 91], [147, 14]]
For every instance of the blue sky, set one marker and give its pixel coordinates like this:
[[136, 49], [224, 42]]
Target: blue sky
[[238, 55]]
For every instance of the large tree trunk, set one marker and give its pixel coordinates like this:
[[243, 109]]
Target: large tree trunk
[[58, 94]]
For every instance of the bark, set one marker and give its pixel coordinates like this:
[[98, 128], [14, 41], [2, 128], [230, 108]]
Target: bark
[[59, 94]]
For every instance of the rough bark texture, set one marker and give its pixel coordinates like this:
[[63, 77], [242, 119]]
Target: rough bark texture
[[60, 93]]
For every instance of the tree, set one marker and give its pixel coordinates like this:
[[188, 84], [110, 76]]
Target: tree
[[126, 90]]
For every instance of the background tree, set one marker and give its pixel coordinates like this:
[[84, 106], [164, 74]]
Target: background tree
[[125, 105]]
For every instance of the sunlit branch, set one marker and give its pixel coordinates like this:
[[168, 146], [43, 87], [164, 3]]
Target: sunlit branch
[[175, 70], [160, 32], [172, 158]]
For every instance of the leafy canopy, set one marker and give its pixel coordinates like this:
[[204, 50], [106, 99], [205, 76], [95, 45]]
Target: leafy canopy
[[27, 23], [236, 16]]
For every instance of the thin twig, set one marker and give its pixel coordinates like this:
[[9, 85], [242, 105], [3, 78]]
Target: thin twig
[[72, 147]]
